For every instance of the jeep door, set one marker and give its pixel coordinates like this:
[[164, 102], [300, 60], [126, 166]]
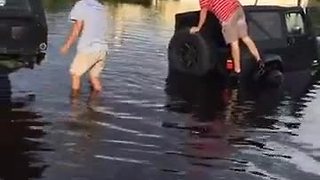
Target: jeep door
[[266, 29], [301, 41]]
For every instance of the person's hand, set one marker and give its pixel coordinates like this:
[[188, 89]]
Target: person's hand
[[64, 50], [194, 29]]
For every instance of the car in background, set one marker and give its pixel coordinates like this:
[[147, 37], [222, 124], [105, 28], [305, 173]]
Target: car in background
[[284, 35], [23, 32]]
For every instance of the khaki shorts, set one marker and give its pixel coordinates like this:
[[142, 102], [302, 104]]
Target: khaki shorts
[[236, 27], [93, 62]]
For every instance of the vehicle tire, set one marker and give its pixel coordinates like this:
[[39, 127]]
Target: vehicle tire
[[189, 53], [274, 78], [5, 91], [40, 58]]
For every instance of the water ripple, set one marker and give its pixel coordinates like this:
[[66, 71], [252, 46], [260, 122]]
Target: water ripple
[[126, 160]]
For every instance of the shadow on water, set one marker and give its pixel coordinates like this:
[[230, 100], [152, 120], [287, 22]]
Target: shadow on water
[[224, 120], [188, 94], [212, 103], [20, 136]]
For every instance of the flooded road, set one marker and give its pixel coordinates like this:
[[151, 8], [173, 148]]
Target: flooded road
[[144, 126]]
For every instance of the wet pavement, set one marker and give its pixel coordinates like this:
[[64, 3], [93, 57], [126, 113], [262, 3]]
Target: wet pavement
[[147, 126]]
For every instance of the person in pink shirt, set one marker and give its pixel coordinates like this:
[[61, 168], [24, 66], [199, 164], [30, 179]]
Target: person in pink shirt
[[234, 27]]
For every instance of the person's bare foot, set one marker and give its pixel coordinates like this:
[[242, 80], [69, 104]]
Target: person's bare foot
[[260, 64], [97, 90], [93, 95], [95, 84], [74, 93], [260, 67], [238, 71]]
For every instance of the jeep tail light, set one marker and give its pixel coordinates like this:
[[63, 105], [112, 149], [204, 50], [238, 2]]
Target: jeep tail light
[[17, 32], [229, 64]]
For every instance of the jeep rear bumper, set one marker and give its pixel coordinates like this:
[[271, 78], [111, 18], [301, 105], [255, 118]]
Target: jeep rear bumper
[[17, 52], [318, 42]]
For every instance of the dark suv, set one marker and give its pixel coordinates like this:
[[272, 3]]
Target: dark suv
[[284, 36], [23, 31]]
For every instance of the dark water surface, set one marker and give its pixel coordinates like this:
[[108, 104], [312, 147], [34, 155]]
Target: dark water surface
[[141, 127]]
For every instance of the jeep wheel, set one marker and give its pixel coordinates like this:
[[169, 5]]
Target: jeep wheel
[[274, 78], [40, 58], [189, 53]]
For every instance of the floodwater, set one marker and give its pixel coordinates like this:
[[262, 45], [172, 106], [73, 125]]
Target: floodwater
[[144, 127]]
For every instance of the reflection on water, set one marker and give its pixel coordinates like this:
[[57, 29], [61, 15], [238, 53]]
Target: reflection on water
[[56, 5], [236, 127], [147, 126], [21, 132]]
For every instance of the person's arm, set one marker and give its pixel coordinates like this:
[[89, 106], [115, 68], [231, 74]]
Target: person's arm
[[73, 36], [203, 17], [202, 20]]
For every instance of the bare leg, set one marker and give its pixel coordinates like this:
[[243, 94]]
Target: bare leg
[[75, 81], [96, 83], [252, 47], [235, 52], [75, 86]]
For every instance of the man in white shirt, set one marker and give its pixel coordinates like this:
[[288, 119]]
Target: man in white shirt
[[90, 26]]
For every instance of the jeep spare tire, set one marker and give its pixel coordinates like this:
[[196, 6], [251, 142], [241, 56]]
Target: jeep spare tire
[[189, 53]]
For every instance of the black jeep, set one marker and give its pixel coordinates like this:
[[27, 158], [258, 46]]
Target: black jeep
[[284, 36], [23, 31]]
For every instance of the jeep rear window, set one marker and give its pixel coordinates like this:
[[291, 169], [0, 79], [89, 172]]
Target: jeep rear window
[[14, 5], [264, 25]]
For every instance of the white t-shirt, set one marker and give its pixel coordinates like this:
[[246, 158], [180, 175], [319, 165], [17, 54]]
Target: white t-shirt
[[94, 33]]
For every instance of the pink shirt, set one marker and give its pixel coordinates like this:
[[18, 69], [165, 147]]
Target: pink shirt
[[223, 9]]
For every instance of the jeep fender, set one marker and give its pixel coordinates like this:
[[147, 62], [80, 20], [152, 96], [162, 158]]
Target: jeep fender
[[273, 61], [273, 71]]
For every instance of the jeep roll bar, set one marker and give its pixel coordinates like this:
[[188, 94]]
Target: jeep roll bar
[[298, 2]]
